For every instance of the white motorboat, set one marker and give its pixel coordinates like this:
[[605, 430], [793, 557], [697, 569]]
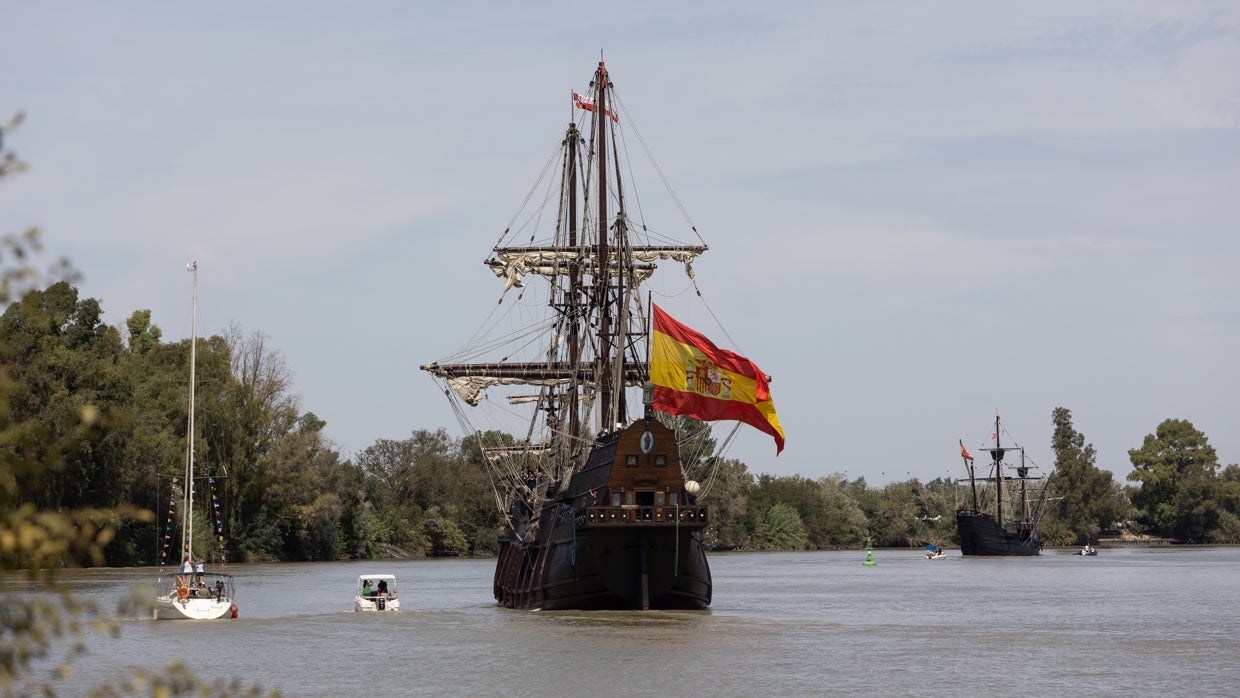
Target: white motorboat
[[376, 592]]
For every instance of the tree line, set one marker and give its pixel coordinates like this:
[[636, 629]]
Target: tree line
[[112, 405]]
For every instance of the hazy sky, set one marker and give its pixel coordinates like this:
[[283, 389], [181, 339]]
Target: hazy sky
[[917, 212]]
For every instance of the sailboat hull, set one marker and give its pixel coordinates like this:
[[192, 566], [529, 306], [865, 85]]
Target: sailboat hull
[[981, 534], [192, 609], [211, 599]]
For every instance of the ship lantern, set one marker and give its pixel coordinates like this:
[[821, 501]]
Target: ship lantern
[[648, 396]]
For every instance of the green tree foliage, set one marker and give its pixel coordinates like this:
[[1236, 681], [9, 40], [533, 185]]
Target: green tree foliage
[[936, 509], [1229, 503], [63, 361], [443, 534], [1090, 500], [1178, 491], [800, 493], [897, 521], [428, 472], [143, 336], [779, 528], [726, 492], [58, 393]]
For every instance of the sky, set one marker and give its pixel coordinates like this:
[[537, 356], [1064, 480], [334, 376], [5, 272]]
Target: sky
[[917, 213]]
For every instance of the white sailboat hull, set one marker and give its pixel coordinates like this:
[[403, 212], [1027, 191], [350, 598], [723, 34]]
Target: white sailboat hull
[[181, 598], [192, 609]]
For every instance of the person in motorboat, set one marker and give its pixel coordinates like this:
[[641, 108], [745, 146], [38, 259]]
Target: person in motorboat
[[383, 590], [366, 590]]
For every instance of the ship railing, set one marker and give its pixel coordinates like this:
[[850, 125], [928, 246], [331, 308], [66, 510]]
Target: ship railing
[[634, 515], [199, 585]]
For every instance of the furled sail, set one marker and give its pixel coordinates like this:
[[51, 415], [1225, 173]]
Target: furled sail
[[513, 264], [470, 381]]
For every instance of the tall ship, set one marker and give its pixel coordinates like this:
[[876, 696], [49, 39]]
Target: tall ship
[[586, 400], [1003, 506]]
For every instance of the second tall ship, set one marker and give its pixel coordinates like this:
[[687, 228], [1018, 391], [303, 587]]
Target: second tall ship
[[1003, 510]]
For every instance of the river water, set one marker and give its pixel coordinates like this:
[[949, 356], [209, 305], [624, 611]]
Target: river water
[[1136, 621]]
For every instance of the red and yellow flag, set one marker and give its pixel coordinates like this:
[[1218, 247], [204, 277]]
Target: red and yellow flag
[[693, 377], [964, 452]]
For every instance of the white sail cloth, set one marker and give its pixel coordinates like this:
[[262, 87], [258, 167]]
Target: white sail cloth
[[513, 267]]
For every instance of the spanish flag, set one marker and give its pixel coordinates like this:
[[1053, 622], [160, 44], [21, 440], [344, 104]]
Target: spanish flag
[[964, 452], [693, 377]]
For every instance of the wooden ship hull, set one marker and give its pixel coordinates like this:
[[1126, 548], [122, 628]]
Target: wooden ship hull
[[981, 534], [1012, 528], [623, 535]]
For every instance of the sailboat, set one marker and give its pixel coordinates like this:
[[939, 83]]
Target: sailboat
[[597, 476], [989, 528], [192, 592]]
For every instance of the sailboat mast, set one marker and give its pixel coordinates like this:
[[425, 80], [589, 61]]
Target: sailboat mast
[[187, 515], [602, 277]]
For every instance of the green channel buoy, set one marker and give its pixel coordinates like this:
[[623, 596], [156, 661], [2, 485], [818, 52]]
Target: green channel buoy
[[869, 555]]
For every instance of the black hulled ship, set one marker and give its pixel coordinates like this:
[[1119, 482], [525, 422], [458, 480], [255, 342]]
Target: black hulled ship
[[596, 486], [1004, 510]]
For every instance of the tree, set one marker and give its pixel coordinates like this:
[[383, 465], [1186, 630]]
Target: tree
[[247, 408], [802, 494], [1090, 499], [848, 524], [1229, 503], [898, 514], [779, 528], [726, 492], [936, 511], [431, 470], [1178, 491], [143, 336]]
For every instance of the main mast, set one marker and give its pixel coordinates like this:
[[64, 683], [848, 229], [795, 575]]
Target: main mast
[[602, 281], [187, 516]]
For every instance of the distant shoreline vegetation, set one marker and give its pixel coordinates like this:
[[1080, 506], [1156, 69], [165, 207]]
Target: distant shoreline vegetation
[[106, 407]]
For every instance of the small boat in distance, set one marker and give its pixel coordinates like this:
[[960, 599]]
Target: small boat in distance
[[192, 593], [376, 592], [934, 552], [1088, 550], [1001, 519]]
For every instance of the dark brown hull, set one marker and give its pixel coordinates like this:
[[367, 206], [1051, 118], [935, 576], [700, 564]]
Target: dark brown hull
[[642, 550], [981, 534], [616, 568]]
